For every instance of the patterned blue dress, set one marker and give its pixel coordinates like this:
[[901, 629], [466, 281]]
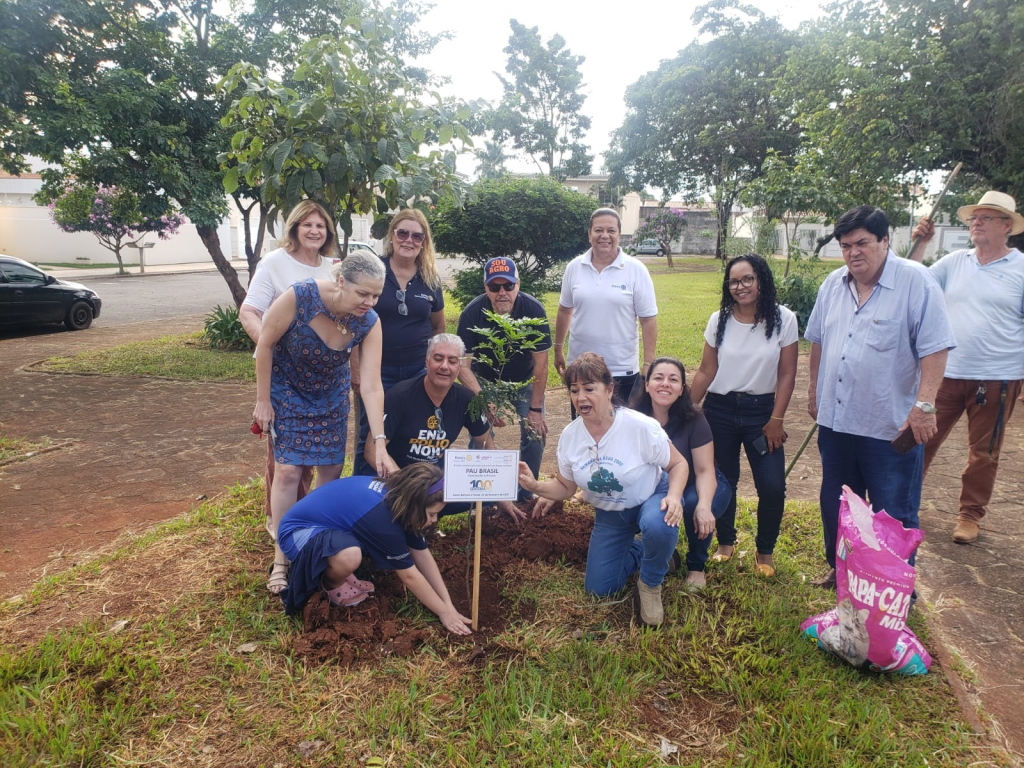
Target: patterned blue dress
[[309, 385]]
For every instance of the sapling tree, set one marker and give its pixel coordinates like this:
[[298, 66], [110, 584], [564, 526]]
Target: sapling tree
[[665, 225]]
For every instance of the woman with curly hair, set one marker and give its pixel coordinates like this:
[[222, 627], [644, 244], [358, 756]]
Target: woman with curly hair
[[748, 371]]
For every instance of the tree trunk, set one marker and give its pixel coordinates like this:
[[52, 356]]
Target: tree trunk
[[120, 264], [211, 240], [668, 253]]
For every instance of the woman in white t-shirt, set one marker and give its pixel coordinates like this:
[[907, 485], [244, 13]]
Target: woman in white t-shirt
[[748, 372], [307, 246], [620, 459]]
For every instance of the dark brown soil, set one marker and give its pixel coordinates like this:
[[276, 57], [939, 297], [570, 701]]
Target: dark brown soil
[[373, 629]]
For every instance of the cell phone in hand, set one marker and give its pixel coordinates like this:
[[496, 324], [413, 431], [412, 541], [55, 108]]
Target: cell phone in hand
[[905, 441], [760, 444]]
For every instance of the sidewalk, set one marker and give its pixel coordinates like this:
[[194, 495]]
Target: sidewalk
[[70, 273]]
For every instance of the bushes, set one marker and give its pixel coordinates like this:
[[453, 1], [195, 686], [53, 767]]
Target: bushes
[[223, 330]]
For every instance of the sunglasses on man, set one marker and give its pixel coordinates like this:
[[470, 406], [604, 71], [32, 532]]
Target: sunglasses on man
[[495, 287]]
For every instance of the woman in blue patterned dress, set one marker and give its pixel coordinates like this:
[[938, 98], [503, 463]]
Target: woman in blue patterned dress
[[303, 380]]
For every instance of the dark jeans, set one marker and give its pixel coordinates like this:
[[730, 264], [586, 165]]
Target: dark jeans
[[697, 549], [736, 420], [873, 470], [623, 389], [389, 376]]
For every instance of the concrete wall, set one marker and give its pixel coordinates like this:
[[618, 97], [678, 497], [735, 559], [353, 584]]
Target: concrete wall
[[27, 232]]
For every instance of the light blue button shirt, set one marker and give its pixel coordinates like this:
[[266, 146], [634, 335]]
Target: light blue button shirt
[[986, 308], [870, 370]]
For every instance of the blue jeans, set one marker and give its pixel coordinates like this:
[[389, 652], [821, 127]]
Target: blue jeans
[[697, 549], [736, 420], [615, 553], [875, 471], [389, 376]]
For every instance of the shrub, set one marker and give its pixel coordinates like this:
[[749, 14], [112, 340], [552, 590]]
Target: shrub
[[799, 290], [223, 329]]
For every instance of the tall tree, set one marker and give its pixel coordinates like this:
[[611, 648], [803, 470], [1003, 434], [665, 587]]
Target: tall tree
[[351, 138], [703, 122], [541, 110], [491, 161], [886, 90]]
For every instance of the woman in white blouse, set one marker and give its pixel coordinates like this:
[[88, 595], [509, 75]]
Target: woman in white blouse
[[748, 371]]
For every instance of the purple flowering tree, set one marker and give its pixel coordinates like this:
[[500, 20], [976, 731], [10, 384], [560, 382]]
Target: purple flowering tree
[[111, 214], [665, 226]]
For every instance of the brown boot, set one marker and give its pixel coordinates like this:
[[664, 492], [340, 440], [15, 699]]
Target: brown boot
[[651, 612], [966, 531]]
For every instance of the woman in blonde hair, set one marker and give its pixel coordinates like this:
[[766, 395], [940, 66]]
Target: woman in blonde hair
[[411, 307]]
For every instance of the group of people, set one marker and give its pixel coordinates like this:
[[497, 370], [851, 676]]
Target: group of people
[[639, 450]]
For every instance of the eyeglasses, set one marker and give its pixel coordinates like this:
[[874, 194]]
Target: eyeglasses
[[984, 219], [440, 420], [496, 287], [860, 245], [403, 308], [746, 281], [405, 234]]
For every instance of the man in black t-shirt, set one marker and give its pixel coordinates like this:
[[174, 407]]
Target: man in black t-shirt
[[425, 415], [502, 296]]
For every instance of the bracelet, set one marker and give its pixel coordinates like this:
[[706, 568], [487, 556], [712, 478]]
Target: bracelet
[[778, 417], [380, 437], [536, 410], [558, 345]]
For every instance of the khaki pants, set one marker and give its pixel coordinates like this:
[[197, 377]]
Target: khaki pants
[[979, 476]]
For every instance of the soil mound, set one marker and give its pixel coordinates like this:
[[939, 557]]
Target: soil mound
[[372, 629]]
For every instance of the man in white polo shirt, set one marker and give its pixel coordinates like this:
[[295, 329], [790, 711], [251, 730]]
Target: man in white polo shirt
[[604, 293], [984, 290]]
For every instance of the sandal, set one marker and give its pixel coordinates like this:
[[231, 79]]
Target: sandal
[[346, 595], [362, 586], [278, 581], [764, 569]]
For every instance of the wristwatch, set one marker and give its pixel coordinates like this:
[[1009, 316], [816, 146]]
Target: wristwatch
[[925, 407]]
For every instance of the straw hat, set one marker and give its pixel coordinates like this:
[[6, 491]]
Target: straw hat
[[998, 201]]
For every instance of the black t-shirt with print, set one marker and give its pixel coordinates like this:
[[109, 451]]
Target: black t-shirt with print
[[412, 427], [520, 366], [687, 435]]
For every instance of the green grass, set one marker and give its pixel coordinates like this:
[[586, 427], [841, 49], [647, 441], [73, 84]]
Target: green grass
[[13, 447], [184, 356], [728, 680], [75, 265]]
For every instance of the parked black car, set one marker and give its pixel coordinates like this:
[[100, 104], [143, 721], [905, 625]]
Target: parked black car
[[29, 295]]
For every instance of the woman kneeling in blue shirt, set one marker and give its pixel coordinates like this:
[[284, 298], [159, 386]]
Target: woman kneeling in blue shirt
[[327, 533]]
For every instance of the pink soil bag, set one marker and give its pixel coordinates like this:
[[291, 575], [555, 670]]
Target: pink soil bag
[[867, 628]]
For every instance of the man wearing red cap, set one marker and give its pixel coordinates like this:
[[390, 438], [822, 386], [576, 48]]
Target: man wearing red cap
[[984, 291]]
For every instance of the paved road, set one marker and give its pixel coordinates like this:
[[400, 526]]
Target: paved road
[[159, 297]]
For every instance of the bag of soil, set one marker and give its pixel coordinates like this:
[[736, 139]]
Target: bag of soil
[[874, 582]]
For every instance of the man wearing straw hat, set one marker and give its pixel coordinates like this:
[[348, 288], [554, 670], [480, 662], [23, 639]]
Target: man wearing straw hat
[[984, 290]]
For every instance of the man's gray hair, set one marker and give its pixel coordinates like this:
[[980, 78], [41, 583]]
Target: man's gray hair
[[358, 266], [605, 212], [446, 338]]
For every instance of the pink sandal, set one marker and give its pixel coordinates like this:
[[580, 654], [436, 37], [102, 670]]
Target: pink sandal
[[346, 595], [362, 586]]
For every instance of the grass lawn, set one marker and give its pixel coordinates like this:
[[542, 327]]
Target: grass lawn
[[200, 670]]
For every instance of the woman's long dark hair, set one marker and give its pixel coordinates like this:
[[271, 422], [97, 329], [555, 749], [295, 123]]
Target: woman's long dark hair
[[767, 301], [682, 410]]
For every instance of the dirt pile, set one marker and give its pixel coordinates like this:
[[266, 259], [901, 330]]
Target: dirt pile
[[373, 629]]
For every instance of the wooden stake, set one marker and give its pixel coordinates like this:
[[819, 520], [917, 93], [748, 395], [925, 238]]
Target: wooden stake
[[476, 564], [935, 207]]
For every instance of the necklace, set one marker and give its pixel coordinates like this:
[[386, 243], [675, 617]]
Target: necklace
[[343, 327], [862, 292]]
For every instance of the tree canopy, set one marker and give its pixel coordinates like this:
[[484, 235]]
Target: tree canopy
[[704, 122], [540, 113]]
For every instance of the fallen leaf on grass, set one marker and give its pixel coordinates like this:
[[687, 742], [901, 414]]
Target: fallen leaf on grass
[[667, 748], [117, 626], [307, 748], [247, 647], [443, 699]]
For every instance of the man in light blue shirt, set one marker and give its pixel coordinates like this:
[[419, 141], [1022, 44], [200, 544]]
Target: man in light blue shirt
[[880, 338], [984, 290]]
